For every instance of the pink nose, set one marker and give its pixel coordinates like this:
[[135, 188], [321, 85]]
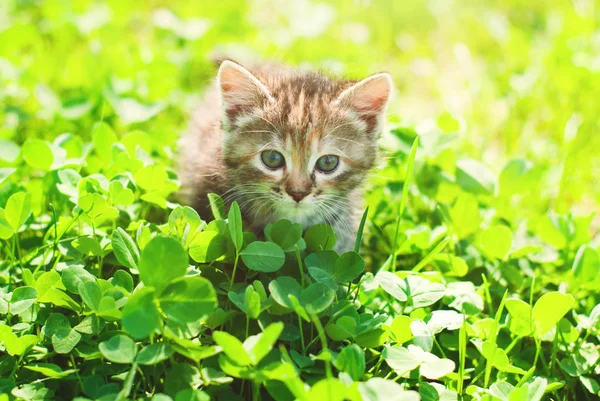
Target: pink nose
[[297, 195]]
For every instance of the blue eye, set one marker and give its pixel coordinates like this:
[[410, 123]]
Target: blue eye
[[327, 163], [272, 159]]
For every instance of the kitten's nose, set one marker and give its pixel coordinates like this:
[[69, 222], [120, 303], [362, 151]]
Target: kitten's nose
[[298, 195]]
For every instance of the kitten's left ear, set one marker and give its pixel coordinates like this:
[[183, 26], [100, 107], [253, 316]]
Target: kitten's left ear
[[240, 90], [368, 98]]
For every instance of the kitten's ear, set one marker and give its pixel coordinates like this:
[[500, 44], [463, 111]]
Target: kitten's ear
[[240, 90], [368, 98]]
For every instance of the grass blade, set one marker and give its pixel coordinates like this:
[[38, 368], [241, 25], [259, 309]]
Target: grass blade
[[406, 186], [440, 247], [361, 227]]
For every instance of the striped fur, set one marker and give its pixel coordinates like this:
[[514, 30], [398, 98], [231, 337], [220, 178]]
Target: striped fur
[[301, 114]]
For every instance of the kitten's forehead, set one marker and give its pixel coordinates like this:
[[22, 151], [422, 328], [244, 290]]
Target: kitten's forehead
[[304, 109]]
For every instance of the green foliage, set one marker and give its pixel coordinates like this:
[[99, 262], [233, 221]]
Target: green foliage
[[476, 271]]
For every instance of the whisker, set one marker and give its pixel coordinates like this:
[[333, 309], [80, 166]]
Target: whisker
[[268, 122], [258, 131], [350, 140]]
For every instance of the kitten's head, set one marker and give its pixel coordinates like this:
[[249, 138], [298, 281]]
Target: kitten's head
[[297, 144]]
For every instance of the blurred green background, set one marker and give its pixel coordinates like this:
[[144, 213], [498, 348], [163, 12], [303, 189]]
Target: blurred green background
[[495, 80]]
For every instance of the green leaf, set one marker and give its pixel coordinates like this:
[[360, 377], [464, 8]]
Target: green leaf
[[298, 308], [320, 237], [15, 345], [50, 370], [38, 154], [252, 302], [475, 177], [125, 249], [5, 173], [120, 195], [91, 294], [400, 359], [260, 345], [217, 206], [140, 315], [285, 234], [348, 267], [496, 241], [400, 329], [188, 299], [537, 388], [595, 317], [327, 389], [87, 246], [56, 323], [47, 283], [208, 246], [343, 328], [549, 309], [422, 292], [586, 266], [435, 368], [162, 260], [154, 353], [316, 298], [91, 324], [184, 221], [22, 298], [266, 257], [233, 348], [18, 209], [282, 287], [352, 361], [496, 356], [520, 317], [465, 215], [450, 265], [103, 138], [119, 349], [6, 230], [122, 279], [517, 177], [73, 276], [378, 389], [321, 266], [391, 284], [64, 341], [328, 268], [234, 223], [108, 309], [589, 383]]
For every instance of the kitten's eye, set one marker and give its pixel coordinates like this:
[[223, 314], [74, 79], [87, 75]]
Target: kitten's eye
[[327, 163], [272, 159]]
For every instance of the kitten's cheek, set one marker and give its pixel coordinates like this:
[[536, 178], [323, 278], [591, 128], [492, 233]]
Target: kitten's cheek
[[328, 183]]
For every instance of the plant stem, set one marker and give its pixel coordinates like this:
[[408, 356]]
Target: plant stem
[[301, 335], [57, 239], [124, 393], [321, 334], [299, 259], [18, 244], [462, 355], [235, 263], [76, 371]]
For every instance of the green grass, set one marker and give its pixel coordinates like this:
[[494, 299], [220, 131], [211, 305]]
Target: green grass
[[476, 271]]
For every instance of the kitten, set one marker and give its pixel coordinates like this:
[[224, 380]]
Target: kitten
[[285, 144]]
